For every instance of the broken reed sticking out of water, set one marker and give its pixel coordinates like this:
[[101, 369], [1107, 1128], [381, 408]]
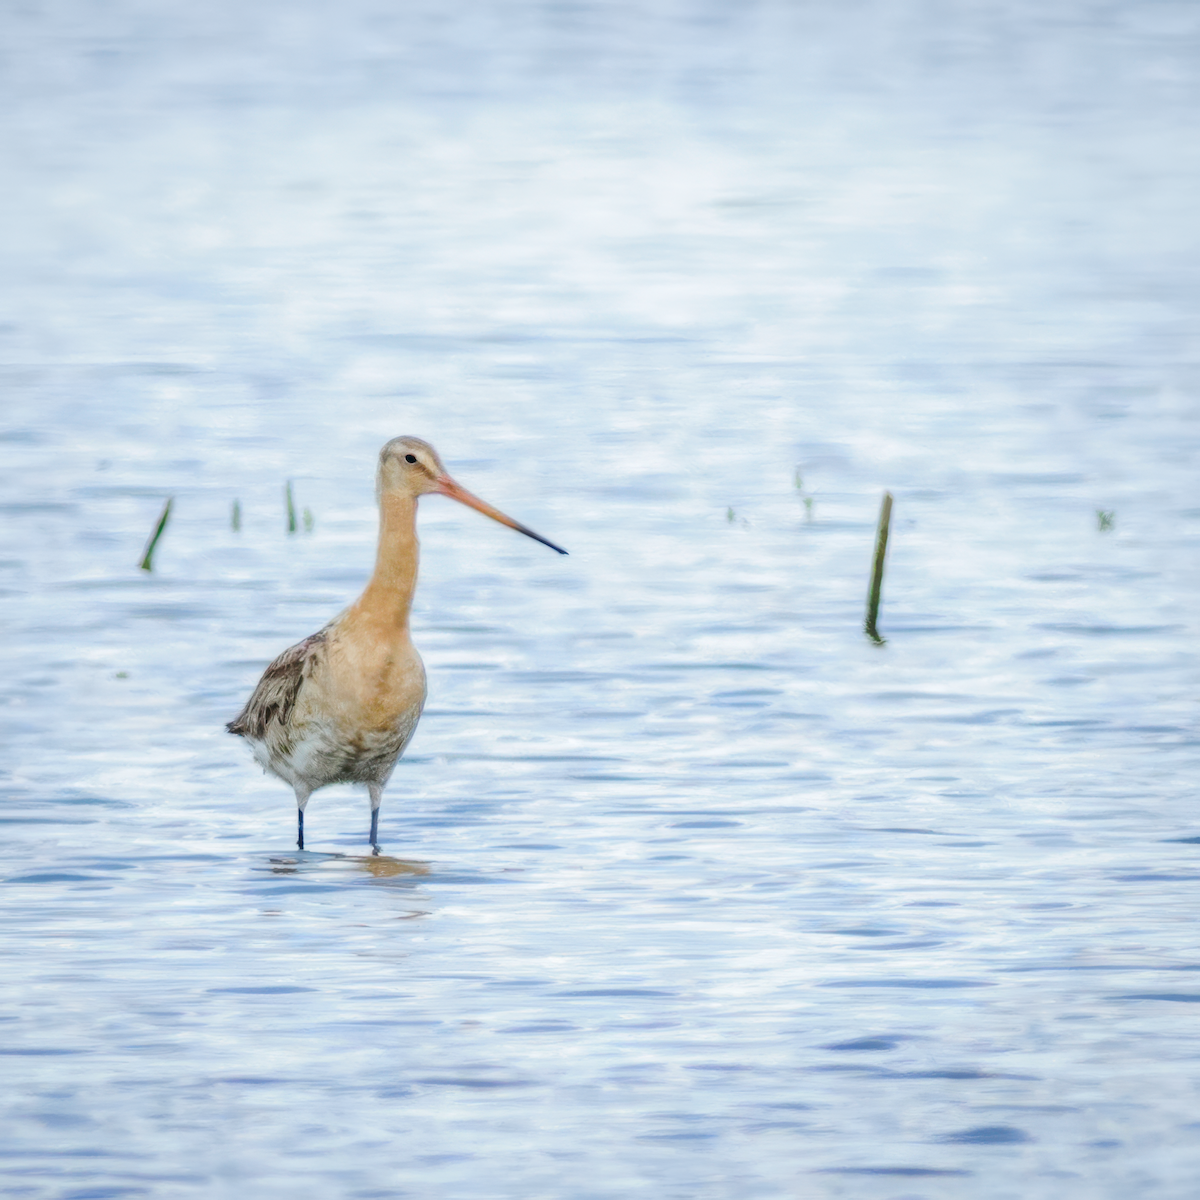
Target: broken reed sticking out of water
[[881, 541], [147, 563], [235, 523]]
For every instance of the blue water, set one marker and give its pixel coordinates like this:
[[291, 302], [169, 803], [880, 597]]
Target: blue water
[[688, 890]]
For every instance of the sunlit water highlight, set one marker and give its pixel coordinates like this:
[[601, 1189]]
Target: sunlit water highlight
[[688, 890]]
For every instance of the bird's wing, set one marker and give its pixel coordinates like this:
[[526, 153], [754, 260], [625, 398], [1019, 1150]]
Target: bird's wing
[[275, 697]]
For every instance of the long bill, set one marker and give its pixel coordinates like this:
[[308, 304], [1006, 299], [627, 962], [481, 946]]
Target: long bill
[[447, 487]]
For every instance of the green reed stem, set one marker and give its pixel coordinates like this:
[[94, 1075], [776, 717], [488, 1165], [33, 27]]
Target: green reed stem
[[235, 516], [147, 563], [291, 507], [881, 541]]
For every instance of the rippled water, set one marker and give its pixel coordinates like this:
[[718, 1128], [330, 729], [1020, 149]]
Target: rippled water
[[688, 889]]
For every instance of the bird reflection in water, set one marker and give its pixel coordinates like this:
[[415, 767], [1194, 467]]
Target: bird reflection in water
[[380, 866]]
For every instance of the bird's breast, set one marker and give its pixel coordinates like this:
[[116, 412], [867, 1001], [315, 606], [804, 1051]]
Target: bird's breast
[[370, 684]]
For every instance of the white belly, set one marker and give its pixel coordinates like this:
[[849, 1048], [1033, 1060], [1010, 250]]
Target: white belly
[[318, 753]]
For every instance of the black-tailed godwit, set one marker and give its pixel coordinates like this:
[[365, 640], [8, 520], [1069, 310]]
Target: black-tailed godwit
[[340, 706]]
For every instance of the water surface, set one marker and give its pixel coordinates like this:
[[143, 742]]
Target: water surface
[[688, 889]]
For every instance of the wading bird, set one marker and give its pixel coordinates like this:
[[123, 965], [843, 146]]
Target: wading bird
[[340, 706]]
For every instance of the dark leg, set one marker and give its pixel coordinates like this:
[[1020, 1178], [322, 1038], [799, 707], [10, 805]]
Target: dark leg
[[376, 791], [302, 795]]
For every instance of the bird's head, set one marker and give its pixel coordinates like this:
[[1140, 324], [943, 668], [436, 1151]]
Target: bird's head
[[410, 467]]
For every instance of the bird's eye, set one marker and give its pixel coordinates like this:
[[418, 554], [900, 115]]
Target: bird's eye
[[410, 458]]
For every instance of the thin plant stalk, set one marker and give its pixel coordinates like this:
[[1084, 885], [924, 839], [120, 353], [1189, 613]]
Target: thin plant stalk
[[147, 563], [235, 517], [881, 540], [291, 507]]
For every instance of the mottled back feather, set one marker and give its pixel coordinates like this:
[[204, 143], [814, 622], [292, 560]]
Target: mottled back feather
[[275, 697]]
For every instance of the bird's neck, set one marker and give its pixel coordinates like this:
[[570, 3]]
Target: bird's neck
[[388, 596]]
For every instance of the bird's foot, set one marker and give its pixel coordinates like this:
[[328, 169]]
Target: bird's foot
[[374, 847]]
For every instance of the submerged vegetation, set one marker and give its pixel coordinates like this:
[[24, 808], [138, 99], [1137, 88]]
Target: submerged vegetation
[[806, 497]]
